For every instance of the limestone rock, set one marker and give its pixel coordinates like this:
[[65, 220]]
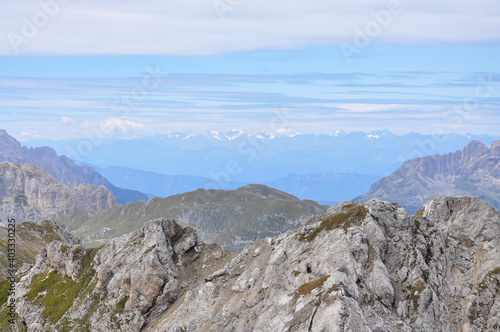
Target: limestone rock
[[473, 171], [61, 168], [120, 286], [358, 267], [29, 193]]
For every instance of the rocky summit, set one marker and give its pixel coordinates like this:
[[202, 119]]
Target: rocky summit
[[473, 171], [357, 267]]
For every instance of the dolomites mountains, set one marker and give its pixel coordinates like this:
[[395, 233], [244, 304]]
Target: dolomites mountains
[[61, 168], [357, 267], [473, 171], [29, 193]]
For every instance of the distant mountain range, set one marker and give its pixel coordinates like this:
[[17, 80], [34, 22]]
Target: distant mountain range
[[61, 167], [472, 171], [324, 188], [231, 218], [241, 157]]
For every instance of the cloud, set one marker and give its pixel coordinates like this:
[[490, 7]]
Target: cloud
[[193, 27], [113, 127]]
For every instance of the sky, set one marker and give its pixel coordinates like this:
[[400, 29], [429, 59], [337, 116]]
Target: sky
[[135, 68]]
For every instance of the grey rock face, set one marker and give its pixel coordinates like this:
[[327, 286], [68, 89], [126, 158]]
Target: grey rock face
[[62, 168], [29, 193], [379, 271], [358, 267], [121, 286], [30, 239], [473, 171]]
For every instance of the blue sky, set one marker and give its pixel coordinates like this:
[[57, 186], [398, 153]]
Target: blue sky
[[150, 67]]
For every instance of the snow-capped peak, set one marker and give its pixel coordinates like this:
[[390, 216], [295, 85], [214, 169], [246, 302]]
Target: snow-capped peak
[[339, 133], [215, 134], [282, 133], [235, 133], [376, 134]]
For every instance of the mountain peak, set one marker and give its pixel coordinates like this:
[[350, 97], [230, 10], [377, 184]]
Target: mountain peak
[[382, 132], [443, 208], [473, 149], [495, 144], [473, 171], [266, 192], [339, 132], [376, 134]]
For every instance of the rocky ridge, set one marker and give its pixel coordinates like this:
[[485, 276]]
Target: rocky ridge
[[358, 267], [29, 193], [121, 286], [30, 238], [231, 218], [62, 168], [473, 171]]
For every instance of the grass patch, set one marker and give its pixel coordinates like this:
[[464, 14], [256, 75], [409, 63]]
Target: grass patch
[[415, 291], [420, 286], [420, 212], [417, 224], [64, 248], [61, 291], [487, 279], [4, 288], [118, 310], [474, 312], [150, 249], [479, 309], [333, 288], [295, 273], [307, 288], [45, 231], [78, 251], [353, 216], [120, 306]]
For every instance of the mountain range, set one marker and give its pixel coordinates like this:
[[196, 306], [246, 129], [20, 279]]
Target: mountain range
[[325, 168], [230, 218], [61, 167], [357, 267], [275, 262], [256, 158], [473, 171], [324, 188]]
